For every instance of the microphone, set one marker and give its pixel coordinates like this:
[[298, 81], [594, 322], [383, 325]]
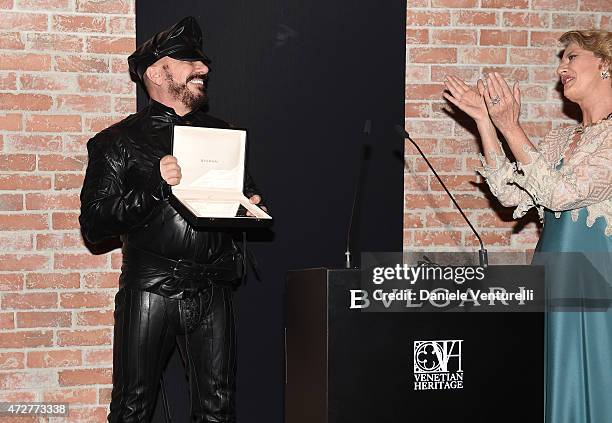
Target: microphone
[[365, 152], [483, 257]]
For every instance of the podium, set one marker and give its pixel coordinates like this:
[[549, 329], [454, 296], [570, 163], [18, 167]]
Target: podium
[[353, 366]]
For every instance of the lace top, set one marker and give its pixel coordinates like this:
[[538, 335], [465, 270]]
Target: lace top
[[585, 180]]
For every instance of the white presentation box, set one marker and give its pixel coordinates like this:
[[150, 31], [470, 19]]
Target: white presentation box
[[212, 162]]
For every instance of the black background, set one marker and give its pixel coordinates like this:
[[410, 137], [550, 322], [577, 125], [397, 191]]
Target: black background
[[303, 77]]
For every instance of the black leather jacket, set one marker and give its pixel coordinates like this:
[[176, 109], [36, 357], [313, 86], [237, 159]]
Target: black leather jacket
[[124, 195]]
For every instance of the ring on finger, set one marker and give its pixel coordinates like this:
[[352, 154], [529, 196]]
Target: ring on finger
[[495, 100]]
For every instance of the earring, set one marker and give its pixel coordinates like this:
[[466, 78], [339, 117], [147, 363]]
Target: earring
[[605, 74]]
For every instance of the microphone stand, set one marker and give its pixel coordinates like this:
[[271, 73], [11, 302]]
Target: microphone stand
[[483, 257]]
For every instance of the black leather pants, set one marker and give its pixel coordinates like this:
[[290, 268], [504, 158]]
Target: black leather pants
[[148, 327]]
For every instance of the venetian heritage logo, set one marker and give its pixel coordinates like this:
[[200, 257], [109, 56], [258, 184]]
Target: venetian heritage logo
[[437, 365]]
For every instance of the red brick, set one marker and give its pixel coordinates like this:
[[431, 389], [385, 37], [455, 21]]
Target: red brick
[[469, 18], [13, 262], [526, 19], [424, 91], [122, 25], [101, 280], [491, 238], [503, 4], [495, 37], [564, 21], [6, 4], [426, 201], [499, 218], [12, 360], [34, 143], [53, 123], [83, 338], [52, 280], [555, 4], [417, 73], [10, 121], [546, 111], [106, 84], [95, 318], [47, 82], [418, 183], [52, 201], [445, 219], [433, 55], [79, 261], [87, 415], [47, 5], [11, 41], [71, 23], [482, 55], [427, 146], [119, 66], [98, 123], [26, 339], [6, 322], [24, 182], [25, 61], [417, 3], [412, 220], [427, 18], [54, 42], [75, 143], [14, 21], [456, 183], [441, 164], [596, 5], [8, 81], [454, 36], [124, 105], [99, 357], [11, 282], [65, 221], [459, 146], [469, 201], [512, 73], [85, 299], [11, 202], [429, 128], [29, 300], [26, 380], [83, 103], [45, 359], [417, 36], [103, 6], [68, 181], [606, 23], [545, 38], [116, 260], [422, 110], [111, 45], [81, 64], [71, 396], [430, 238], [11, 101], [465, 4], [43, 319], [467, 73], [58, 241], [58, 162], [24, 222], [536, 129], [11, 241]]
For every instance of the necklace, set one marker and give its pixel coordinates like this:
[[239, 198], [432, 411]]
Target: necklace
[[580, 128]]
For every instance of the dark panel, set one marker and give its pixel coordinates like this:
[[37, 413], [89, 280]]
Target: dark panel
[[303, 77]]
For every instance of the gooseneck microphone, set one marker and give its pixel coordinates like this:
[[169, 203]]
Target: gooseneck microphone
[[367, 128], [482, 253]]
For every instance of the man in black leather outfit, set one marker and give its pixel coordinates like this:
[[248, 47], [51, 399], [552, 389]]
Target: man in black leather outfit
[[176, 281]]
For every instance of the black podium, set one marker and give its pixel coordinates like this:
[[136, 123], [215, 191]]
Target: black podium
[[347, 365]]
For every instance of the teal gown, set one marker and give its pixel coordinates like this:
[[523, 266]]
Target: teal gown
[[578, 343]]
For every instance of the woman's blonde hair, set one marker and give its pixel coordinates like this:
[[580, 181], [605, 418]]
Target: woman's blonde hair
[[599, 42]]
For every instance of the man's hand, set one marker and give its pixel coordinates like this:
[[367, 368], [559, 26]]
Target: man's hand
[[255, 199], [170, 170]]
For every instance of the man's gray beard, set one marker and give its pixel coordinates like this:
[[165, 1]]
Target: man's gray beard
[[183, 94]]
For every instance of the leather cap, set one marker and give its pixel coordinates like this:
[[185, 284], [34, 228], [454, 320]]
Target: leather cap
[[182, 41]]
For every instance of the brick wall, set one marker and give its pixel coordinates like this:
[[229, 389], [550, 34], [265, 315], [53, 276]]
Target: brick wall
[[469, 38], [62, 78]]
